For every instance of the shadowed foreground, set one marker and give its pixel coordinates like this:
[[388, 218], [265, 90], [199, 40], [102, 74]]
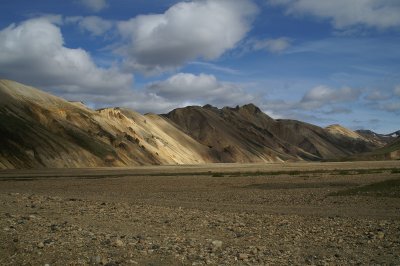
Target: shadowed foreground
[[299, 213]]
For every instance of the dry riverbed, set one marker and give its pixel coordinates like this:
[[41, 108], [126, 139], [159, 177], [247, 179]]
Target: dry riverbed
[[329, 213]]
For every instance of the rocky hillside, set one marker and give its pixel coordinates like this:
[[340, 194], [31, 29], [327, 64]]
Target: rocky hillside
[[247, 134], [40, 130]]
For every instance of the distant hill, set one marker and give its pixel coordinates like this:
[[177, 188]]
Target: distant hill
[[382, 139], [41, 130]]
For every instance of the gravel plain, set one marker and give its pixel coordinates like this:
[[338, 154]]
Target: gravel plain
[[261, 214]]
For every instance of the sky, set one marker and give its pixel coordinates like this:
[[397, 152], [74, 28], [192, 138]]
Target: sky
[[322, 62]]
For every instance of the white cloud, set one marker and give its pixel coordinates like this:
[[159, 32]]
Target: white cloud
[[95, 5], [322, 95], [272, 45], [201, 89], [33, 52], [318, 100], [377, 95], [396, 90], [379, 14], [216, 67], [92, 24], [179, 90], [338, 110], [140, 101], [186, 31], [391, 107]]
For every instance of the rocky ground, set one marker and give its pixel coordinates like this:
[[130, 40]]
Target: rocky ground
[[199, 219]]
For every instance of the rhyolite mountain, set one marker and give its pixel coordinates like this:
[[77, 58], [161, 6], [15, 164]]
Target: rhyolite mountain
[[41, 130]]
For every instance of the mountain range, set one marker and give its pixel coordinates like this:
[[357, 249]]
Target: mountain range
[[39, 130]]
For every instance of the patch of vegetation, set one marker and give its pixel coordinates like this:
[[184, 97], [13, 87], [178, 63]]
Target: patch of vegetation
[[387, 188], [302, 174], [360, 171], [217, 175], [291, 185]]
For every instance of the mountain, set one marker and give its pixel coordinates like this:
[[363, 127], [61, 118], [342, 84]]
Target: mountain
[[245, 134], [381, 139], [389, 152], [41, 130]]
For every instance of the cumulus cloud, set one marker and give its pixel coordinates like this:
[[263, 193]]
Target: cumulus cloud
[[377, 95], [379, 14], [320, 98], [95, 5], [323, 95], [201, 89], [33, 52], [138, 100], [391, 107], [271, 45], [338, 110], [179, 90], [96, 26], [186, 31], [396, 90]]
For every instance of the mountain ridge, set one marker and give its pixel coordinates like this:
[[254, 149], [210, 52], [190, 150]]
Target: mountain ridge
[[42, 130]]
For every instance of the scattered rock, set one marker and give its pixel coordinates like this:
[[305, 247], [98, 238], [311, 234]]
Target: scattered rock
[[118, 243], [380, 235], [122, 234], [95, 260], [243, 256], [217, 244]]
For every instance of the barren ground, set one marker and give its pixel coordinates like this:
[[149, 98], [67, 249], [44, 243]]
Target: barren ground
[[256, 214]]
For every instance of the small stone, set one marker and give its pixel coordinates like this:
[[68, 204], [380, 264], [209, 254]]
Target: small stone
[[95, 260], [40, 245], [217, 243], [380, 235], [47, 241], [243, 256], [254, 251], [118, 243]]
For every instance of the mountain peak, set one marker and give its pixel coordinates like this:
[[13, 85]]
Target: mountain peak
[[251, 108]]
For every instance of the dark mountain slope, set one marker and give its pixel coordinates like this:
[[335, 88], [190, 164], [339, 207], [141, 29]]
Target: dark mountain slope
[[246, 133]]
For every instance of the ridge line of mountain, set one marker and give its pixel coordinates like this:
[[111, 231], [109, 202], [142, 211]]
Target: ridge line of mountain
[[41, 130]]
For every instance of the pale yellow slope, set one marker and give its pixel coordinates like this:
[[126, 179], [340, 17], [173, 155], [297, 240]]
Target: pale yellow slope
[[131, 138], [340, 130], [157, 136]]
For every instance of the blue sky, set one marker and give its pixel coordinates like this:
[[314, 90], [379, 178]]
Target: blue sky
[[322, 62]]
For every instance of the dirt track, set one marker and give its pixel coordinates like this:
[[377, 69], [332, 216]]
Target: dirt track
[[193, 215]]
